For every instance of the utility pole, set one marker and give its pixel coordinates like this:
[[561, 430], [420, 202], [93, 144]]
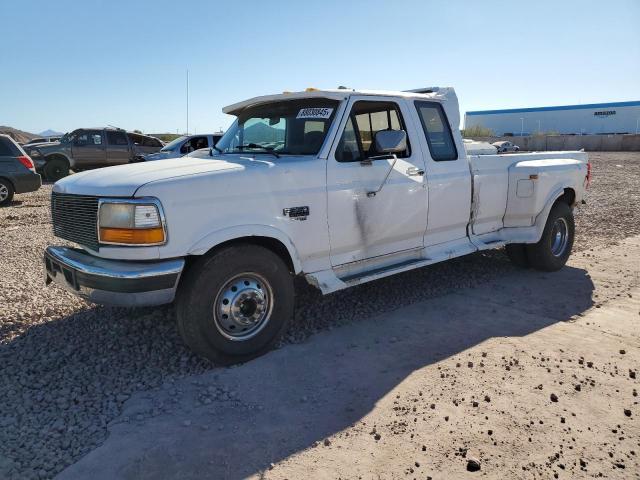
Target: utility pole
[[521, 127], [187, 101]]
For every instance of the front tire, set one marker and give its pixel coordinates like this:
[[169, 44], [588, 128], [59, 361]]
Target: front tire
[[55, 169], [6, 192], [552, 251], [235, 304]]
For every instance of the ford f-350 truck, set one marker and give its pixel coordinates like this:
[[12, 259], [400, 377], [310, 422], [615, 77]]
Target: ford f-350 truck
[[88, 148], [340, 187]]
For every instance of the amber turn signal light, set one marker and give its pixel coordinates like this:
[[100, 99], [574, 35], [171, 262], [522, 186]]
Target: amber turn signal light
[[134, 236]]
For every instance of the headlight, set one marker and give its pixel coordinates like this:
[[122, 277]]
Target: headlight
[[131, 222]]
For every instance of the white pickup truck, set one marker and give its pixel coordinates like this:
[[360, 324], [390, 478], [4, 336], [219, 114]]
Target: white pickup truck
[[340, 187]]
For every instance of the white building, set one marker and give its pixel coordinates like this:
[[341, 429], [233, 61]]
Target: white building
[[615, 117]]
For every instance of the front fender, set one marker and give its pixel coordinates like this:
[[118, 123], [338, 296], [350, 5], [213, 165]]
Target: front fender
[[218, 237]]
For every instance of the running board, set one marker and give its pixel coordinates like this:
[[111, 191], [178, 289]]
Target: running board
[[338, 278], [385, 271]]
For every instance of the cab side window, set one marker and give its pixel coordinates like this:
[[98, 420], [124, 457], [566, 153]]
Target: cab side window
[[437, 131], [196, 143], [90, 138], [365, 120]]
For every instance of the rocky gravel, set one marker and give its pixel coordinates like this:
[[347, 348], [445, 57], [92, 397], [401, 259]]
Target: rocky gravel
[[67, 367]]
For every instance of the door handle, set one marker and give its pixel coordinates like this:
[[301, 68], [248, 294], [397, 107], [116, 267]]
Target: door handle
[[414, 171]]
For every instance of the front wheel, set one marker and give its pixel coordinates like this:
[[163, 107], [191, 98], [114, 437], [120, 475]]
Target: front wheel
[[55, 169], [235, 304], [552, 251]]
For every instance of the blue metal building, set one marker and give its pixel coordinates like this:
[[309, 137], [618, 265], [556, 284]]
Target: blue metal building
[[594, 118]]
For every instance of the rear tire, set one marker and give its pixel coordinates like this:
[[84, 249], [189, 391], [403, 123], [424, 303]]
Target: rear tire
[[6, 192], [552, 251], [517, 253], [55, 169], [235, 304]]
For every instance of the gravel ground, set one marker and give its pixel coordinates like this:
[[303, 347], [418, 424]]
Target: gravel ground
[[67, 366]]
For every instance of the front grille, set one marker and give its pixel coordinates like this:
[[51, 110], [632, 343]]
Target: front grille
[[75, 218]]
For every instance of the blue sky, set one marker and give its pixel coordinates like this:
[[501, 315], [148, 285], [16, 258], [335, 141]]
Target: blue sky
[[92, 63]]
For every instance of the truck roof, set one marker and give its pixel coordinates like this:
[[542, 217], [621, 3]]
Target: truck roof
[[432, 93], [445, 95]]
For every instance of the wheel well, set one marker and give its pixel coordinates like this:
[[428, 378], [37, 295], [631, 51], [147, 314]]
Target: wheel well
[[276, 246], [57, 156], [568, 197], [9, 182]]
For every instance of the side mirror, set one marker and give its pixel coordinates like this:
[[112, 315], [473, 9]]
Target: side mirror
[[391, 141]]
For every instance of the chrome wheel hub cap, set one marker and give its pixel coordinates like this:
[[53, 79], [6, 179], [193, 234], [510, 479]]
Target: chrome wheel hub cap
[[4, 192], [559, 237], [243, 306]]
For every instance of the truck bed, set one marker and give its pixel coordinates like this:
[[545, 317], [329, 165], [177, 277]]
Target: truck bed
[[511, 190]]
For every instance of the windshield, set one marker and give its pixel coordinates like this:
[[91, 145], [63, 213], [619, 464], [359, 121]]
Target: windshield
[[173, 144], [294, 127]]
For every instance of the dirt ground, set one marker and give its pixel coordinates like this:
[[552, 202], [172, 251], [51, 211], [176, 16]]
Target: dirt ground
[[75, 376], [530, 376]]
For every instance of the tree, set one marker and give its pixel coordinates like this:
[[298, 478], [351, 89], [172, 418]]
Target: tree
[[477, 131]]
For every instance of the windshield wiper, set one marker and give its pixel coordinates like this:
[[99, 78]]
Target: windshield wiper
[[255, 145]]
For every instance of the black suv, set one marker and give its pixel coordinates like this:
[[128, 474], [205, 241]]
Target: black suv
[[87, 148], [17, 172]]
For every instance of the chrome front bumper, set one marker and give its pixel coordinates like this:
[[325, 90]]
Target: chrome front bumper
[[112, 282]]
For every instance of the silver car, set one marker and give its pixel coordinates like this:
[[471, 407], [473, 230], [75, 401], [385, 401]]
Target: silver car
[[184, 145], [506, 147]]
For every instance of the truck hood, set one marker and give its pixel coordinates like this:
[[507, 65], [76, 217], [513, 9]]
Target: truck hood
[[43, 144], [44, 147], [124, 180]]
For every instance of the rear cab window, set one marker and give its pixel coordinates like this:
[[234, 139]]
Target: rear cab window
[[437, 131]]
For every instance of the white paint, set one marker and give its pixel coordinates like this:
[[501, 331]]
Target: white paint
[[455, 208]]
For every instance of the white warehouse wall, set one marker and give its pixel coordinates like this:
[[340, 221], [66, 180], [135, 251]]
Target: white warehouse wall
[[616, 117]]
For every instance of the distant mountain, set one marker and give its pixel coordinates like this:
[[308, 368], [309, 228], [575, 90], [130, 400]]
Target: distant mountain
[[259, 132], [17, 135], [51, 133]]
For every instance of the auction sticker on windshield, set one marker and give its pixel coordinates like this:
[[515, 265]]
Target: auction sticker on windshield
[[315, 113]]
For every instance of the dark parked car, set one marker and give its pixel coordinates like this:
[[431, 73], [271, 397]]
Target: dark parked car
[[17, 172], [87, 148]]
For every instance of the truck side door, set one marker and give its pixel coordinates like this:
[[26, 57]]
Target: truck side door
[[88, 149], [118, 150], [363, 226], [447, 173]]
